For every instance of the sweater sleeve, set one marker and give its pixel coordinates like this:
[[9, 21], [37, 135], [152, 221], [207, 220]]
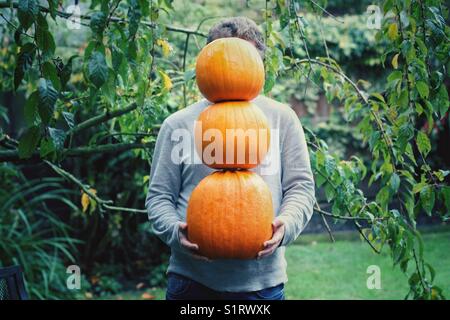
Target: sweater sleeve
[[163, 191], [296, 179]]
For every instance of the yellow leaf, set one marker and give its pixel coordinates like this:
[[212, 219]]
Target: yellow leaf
[[166, 47], [167, 83], [395, 61], [393, 31], [86, 200]]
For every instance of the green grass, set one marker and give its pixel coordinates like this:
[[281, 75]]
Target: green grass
[[319, 269]]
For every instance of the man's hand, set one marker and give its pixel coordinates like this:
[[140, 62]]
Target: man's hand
[[191, 247], [271, 245]]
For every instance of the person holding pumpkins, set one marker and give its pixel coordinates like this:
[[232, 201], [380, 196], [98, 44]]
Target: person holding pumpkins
[[228, 217]]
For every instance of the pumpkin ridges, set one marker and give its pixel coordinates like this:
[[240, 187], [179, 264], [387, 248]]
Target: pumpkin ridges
[[229, 69], [232, 221], [235, 115]]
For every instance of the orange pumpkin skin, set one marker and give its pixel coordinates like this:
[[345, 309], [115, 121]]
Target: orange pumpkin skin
[[243, 148], [230, 215], [229, 69]]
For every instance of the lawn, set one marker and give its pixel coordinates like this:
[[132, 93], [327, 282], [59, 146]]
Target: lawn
[[319, 269]]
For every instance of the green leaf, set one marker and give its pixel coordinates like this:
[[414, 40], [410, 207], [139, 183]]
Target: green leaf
[[414, 279], [410, 153], [47, 93], [58, 136], [29, 142], [374, 139], [42, 21], [395, 182], [329, 192], [27, 11], [97, 69], [330, 165], [383, 197], [422, 46], [427, 198], [24, 62], [378, 96], [45, 42], [132, 50], [395, 75], [423, 143], [98, 23], [52, 6], [69, 118], [419, 108], [49, 71], [30, 110], [117, 57], [134, 17], [403, 99], [419, 187], [46, 147], [269, 82], [66, 71], [47, 99], [320, 156], [423, 89], [319, 180]]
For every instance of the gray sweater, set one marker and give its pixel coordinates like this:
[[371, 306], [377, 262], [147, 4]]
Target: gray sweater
[[176, 170]]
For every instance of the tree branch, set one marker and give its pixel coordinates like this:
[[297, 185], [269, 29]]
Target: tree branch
[[358, 226], [325, 222], [102, 118], [336, 216], [13, 155], [326, 11], [103, 204]]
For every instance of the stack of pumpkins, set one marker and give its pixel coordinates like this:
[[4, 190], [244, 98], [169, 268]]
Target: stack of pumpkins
[[230, 212]]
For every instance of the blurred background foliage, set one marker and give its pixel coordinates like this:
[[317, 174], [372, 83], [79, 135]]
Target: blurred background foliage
[[47, 222]]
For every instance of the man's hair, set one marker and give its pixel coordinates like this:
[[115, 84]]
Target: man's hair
[[239, 27]]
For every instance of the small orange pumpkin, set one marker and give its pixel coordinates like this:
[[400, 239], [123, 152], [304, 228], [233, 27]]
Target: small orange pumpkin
[[229, 69], [230, 215], [232, 135]]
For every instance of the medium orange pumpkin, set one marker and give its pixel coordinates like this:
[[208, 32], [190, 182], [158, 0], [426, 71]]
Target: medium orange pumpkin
[[229, 69], [232, 135], [229, 215]]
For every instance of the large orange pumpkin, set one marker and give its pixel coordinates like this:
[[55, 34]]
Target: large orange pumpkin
[[232, 135], [229, 69], [229, 215]]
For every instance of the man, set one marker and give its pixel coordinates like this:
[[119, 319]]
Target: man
[[289, 177]]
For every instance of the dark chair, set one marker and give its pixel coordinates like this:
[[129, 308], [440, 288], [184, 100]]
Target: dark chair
[[11, 284]]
